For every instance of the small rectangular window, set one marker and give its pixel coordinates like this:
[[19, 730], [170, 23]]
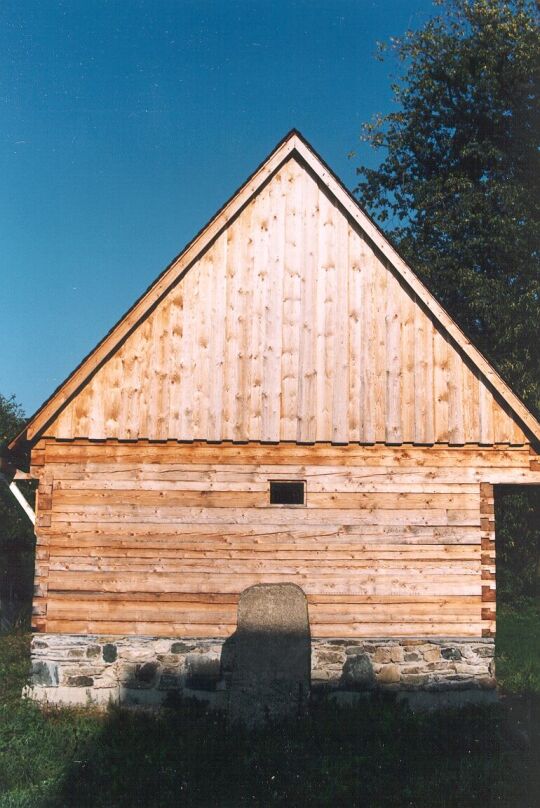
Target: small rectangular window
[[287, 493]]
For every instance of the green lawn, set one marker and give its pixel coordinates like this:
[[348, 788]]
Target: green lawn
[[372, 755]]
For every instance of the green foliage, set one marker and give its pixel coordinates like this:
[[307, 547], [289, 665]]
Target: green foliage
[[375, 753], [11, 419], [17, 539], [459, 183], [518, 647], [517, 521]]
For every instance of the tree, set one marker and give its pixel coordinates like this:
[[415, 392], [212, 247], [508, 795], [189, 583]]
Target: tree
[[16, 532], [458, 191], [459, 182]]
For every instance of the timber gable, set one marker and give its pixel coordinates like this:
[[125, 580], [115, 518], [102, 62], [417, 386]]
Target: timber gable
[[289, 318]]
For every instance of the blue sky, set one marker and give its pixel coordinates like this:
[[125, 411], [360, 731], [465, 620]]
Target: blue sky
[[124, 127]]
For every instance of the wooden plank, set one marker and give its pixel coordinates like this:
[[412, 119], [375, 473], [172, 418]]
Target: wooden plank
[[307, 375], [394, 371], [378, 360], [202, 325], [440, 585], [340, 392], [456, 427], [485, 414], [330, 483], [356, 307], [176, 330], [223, 630], [243, 549], [244, 288], [367, 407], [441, 387], [326, 315], [287, 453], [284, 516], [408, 366], [258, 499], [272, 353], [294, 228], [217, 339]]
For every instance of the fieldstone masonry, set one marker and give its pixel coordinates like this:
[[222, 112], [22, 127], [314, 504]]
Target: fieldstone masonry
[[86, 669]]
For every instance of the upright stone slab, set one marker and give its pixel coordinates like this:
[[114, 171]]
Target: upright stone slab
[[271, 657]]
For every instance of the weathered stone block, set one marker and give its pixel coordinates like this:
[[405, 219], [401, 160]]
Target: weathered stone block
[[202, 672], [382, 655], [358, 672], [432, 654], [180, 648], [110, 652], [451, 653], [79, 681], [145, 675], [169, 681], [43, 673], [389, 674]]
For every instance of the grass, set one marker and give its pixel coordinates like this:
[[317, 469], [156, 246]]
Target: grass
[[375, 754], [518, 647]]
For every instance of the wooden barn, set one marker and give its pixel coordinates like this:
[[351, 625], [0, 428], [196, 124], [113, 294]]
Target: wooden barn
[[286, 403]]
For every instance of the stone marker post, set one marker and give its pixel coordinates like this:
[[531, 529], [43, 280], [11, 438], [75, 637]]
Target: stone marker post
[[271, 657]]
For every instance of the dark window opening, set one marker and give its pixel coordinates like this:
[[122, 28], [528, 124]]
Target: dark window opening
[[287, 493]]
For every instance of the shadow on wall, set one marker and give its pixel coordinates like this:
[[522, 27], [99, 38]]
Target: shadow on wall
[[269, 656]]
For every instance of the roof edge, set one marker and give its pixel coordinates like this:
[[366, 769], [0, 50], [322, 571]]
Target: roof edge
[[293, 141]]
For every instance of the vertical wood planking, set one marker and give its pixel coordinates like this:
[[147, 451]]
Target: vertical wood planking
[[232, 335], [420, 376], [289, 327], [307, 368], [294, 218], [356, 313], [393, 361], [217, 338], [327, 248], [64, 423], [369, 388], [486, 414], [176, 315], [245, 303], [340, 392], [162, 342], [407, 307], [96, 405], [379, 346], [135, 416], [186, 357], [259, 273], [273, 315], [204, 293], [440, 386], [470, 405], [456, 432]]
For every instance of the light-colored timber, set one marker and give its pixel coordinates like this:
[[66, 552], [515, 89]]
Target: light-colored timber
[[290, 318], [289, 341], [161, 538]]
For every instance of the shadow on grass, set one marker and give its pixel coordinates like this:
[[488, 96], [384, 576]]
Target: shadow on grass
[[374, 753]]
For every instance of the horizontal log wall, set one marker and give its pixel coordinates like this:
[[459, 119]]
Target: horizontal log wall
[[160, 539]]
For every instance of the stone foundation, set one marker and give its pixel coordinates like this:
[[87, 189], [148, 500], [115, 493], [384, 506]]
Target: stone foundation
[[87, 669]]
